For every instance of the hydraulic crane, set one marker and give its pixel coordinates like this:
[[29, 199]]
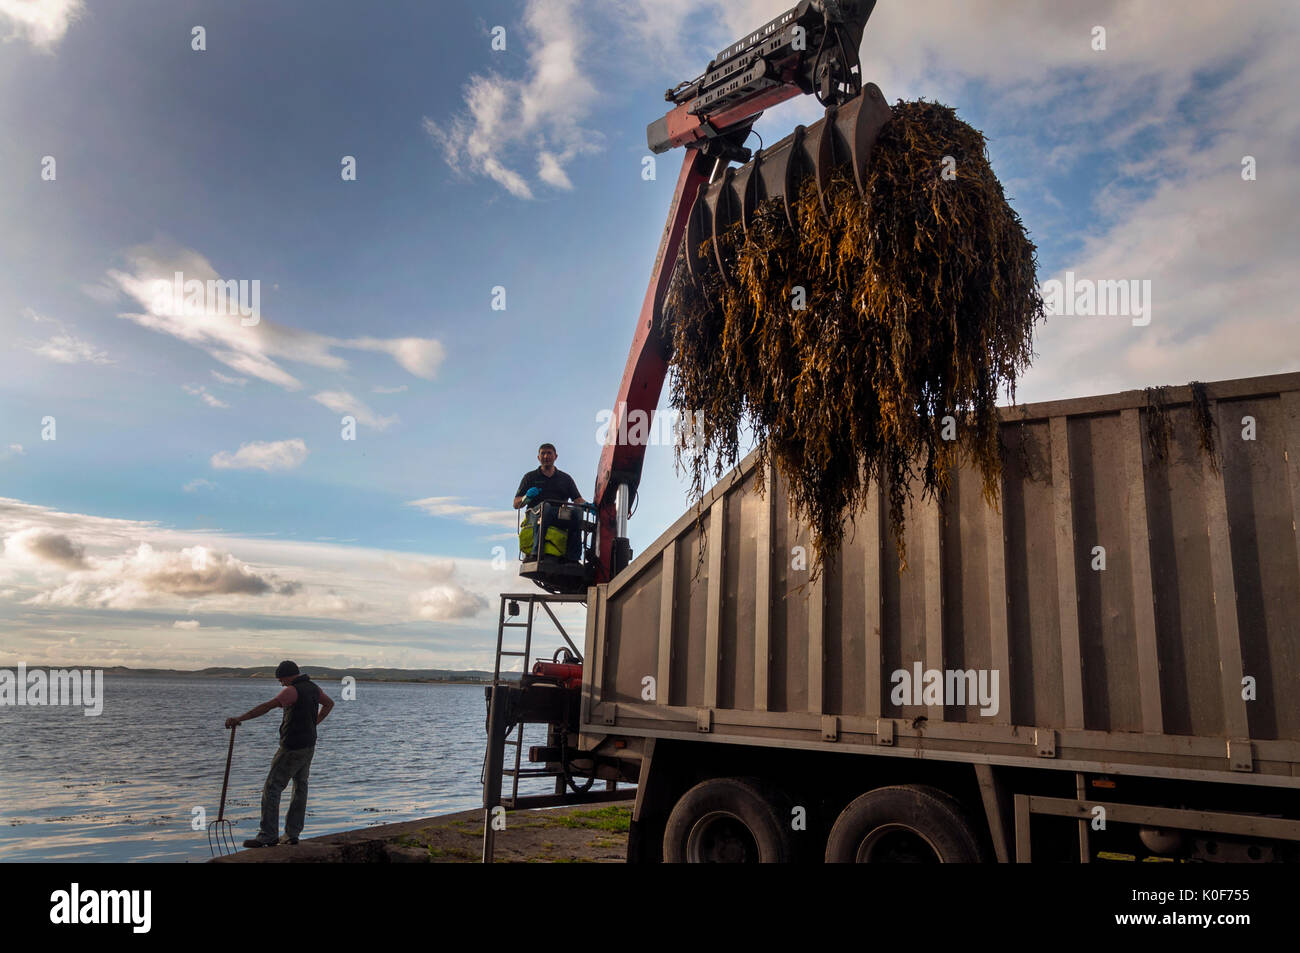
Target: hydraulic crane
[[811, 49]]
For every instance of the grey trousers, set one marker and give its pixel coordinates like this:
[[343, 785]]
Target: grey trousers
[[285, 766]]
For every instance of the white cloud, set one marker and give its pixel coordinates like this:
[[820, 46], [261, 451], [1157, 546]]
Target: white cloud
[[446, 598], [342, 402], [251, 349], [38, 545], [41, 23], [66, 349], [198, 483], [446, 506], [227, 379], [447, 602], [659, 28], [541, 114], [198, 390], [419, 356], [418, 569], [146, 576], [186, 624], [1217, 249], [13, 450], [380, 389], [551, 172], [262, 455], [61, 566]]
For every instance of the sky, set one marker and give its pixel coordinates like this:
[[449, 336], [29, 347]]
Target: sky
[[450, 244]]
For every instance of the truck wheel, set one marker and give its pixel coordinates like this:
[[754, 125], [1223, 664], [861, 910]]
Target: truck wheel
[[907, 823], [728, 821]]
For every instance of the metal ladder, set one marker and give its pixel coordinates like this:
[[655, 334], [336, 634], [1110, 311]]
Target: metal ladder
[[497, 794], [515, 737], [515, 740]]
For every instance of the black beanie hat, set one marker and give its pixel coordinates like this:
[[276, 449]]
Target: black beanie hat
[[285, 669]]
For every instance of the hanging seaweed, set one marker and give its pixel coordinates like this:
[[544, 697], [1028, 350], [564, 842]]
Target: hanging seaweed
[[918, 304], [1159, 428], [1204, 421]]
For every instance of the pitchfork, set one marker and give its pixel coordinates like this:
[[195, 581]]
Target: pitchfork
[[221, 836]]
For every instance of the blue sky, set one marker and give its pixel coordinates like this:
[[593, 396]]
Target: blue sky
[[479, 168]]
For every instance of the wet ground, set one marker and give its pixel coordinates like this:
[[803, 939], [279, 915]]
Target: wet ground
[[589, 834]]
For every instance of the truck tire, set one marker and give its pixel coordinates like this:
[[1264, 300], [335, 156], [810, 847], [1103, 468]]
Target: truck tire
[[727, 821], [907, 823]]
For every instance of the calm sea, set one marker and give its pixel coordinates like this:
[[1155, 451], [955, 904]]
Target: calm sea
[[122, 786]]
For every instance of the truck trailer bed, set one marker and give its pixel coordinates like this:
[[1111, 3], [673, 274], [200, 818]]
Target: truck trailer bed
[[1132, 605]]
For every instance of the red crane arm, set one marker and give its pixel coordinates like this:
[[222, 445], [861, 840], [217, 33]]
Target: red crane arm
[[647, 362]]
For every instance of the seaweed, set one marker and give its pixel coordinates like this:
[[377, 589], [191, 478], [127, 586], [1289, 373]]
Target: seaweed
[[1159, 428], [919, 303], [1204, 422]]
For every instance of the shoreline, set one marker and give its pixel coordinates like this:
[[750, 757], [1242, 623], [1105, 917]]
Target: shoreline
[[578, 834], [415, 677]]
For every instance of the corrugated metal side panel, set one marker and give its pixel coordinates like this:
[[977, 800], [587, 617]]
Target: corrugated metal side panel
[[1113, 592], [628, 661], [1264, 565], [903, 641], [1190, 681], [847, 638], [692, 582], [736, 665], [792, 548], [1028, 510], [1103, 575], [967, 617]]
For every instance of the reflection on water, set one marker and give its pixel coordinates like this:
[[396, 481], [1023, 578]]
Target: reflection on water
[[123, 786]]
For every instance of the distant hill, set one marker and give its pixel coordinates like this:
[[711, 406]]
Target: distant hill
[[445, 675]]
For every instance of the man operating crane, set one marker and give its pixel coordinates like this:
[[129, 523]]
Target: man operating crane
[[546, 484]]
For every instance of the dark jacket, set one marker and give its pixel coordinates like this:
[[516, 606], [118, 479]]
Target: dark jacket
[[298, 727]]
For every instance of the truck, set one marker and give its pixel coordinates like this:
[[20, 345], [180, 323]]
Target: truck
[[1104, 666], [1100, 663]]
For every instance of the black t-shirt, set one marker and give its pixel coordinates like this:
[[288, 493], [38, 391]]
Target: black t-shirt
[[557, 488]]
